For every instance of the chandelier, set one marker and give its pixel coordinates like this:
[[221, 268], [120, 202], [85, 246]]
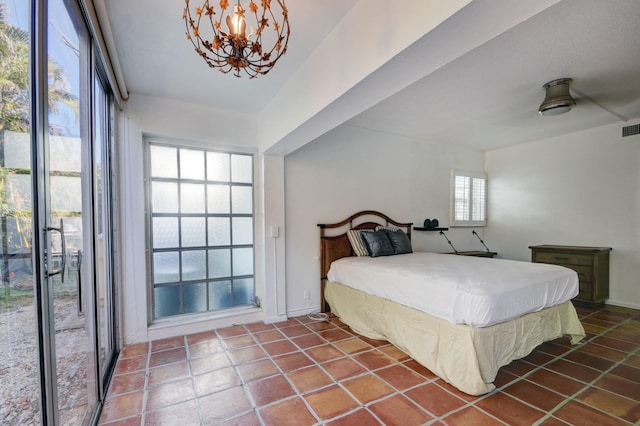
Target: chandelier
[[224, 43]]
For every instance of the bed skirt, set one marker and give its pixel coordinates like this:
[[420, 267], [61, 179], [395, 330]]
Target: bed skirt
[[466, 357]]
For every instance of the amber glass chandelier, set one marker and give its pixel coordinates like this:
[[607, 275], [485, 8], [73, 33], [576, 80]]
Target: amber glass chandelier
[[222, 36]]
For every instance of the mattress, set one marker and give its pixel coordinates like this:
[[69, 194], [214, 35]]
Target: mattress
[[475, 291]]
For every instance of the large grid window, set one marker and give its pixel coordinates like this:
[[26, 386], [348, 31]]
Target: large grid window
[[468, 198], [200, 229]]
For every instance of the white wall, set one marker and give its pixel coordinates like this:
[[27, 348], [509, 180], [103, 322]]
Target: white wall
[[580, 189], [351, 169], [192, 122]]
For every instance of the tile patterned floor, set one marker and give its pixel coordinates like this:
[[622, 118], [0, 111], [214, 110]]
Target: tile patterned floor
[[303, 372]]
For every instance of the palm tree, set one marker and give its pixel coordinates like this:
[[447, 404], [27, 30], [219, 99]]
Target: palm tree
[[14, 80], [15, 107], [14, 76]]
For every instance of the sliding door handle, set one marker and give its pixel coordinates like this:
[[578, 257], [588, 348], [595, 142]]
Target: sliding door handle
[[63, 260]]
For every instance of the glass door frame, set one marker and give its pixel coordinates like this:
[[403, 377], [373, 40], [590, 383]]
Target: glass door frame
[[109, 219], [97, 378], [39, 138]]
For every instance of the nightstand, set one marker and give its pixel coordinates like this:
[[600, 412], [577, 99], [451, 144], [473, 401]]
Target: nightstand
[[591, 264]]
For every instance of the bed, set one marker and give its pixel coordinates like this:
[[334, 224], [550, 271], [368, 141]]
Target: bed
[[465, 347]]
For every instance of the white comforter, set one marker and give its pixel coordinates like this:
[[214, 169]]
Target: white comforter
[[461, 289]]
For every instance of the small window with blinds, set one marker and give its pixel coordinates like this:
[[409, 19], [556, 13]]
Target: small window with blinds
[[468, 198]]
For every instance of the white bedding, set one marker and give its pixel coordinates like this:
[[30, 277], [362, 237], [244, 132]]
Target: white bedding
[[461, 289]]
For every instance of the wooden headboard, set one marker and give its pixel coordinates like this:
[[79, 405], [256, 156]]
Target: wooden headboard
[[334, 243]]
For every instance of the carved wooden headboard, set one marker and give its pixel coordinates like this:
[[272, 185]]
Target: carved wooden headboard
[[334, 243]]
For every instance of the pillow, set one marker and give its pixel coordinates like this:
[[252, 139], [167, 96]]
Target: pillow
[[357, 243], [399, 240], [389, 227], [378, 243]]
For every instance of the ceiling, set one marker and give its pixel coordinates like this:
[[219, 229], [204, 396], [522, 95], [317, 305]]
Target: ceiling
[[484, 99], [158, 60]]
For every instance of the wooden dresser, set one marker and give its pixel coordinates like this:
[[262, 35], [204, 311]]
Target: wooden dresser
[[591, 264]]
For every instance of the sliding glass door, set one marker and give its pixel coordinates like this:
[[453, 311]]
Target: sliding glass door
[[20, 393], [67, 213], [57, 310]]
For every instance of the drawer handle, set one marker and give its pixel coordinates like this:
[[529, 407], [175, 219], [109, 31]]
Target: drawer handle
[[561, 258]]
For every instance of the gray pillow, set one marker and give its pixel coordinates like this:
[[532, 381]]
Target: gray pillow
[[399, 240], [378, 243]]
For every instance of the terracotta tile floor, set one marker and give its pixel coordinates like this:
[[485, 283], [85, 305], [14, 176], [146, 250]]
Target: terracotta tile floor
[[303, 372]]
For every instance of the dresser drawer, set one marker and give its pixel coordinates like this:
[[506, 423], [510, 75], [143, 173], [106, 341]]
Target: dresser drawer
[[563, 258], [585, 273], [585, 292]]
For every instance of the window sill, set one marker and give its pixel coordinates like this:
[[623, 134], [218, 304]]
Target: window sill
[[190, 324]]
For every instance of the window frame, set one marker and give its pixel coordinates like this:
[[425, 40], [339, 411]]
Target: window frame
[[472, 206], [149, 215]]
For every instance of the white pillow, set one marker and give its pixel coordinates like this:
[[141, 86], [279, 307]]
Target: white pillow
[[389, 227]]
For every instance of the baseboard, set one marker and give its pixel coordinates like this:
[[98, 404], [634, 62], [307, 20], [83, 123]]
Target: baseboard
[[622, 304], [303, 311], [171, 327], [275, 318]]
